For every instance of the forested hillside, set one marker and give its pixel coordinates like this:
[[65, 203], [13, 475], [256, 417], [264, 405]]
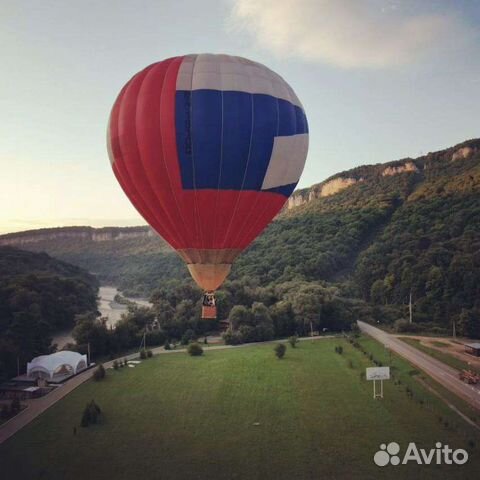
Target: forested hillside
[[38, 296], [368, 238]]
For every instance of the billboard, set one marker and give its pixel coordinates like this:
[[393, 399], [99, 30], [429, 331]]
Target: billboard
[[378, 373]]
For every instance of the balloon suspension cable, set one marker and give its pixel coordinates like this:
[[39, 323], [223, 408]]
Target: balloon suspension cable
[[209, 309]]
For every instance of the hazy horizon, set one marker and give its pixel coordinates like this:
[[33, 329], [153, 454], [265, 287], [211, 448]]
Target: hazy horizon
[[17, 226], [380, 80]]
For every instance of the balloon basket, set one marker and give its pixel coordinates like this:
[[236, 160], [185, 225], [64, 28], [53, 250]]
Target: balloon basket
[[209, 309], [209, 312]]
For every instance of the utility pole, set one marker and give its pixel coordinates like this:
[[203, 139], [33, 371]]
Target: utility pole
[[143, 341], [18, 366], [454, 329], [410, 308], [88, 352]]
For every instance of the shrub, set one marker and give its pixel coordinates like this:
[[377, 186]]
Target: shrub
[[99, 373], [188, 337], [90, 414], [232, 338], [166, 345], [280, 350], [115, 365], [85, 421], [125, 362], [355, 329], [15, 406], [143, 354], [404, 326], [149, 354], [339, 349], [293, 340], [195, 349]]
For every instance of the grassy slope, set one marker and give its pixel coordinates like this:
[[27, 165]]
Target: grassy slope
[[444, 357], [176, 417], [407, 375]]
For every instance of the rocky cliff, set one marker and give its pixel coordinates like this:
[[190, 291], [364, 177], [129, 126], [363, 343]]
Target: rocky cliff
[[88, 234], [371, 173]]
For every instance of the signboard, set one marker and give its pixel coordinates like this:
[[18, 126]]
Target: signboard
[[378, 373]]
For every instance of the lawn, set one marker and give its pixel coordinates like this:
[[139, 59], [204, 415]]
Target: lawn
[[180, 417], [444, 357]]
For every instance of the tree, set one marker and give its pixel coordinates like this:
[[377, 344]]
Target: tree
[[188, 336], [99, 373], [140, 316], [378, 292], [283, 318], [280, 350], [307, 302], [15, 406], [468, 323], [232, 338], [90, 414], [195, 349], [239, 315], [293, 340], [90, 330], [262, 321]]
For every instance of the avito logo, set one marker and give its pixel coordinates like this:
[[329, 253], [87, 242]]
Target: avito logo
[[441, 454]]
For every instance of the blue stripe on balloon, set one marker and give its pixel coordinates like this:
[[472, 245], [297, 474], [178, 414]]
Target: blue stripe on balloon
[[286, 190], [225, 138]]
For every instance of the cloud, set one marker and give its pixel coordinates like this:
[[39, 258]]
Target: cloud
[[347, 33]]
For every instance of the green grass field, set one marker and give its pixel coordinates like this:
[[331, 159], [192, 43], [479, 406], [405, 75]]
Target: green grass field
[[180, 417]]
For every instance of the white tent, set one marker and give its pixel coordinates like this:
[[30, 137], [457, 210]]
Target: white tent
[[59, 363]]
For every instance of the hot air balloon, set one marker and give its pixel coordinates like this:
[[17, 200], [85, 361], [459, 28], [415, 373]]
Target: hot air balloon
[[207, 148]]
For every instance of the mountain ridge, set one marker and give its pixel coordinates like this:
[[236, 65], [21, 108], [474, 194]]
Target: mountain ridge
[[411, 226], [328, 187]]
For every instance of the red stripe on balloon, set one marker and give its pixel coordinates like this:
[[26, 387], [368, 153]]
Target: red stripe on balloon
[[272, 201], [266, 209], [155, 91], [122, 174], [128, 122]]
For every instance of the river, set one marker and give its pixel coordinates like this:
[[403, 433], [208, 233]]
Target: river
[[108, 308]]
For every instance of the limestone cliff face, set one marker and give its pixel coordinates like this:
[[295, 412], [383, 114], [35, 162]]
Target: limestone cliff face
[[406, 167], [331, 187], [336, 185], [75, 233], [463, 153], [297, 199]]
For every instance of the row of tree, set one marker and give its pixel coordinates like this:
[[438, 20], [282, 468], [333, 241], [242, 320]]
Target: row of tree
[[35, 305]]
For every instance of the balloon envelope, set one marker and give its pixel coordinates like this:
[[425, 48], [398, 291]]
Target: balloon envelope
[[208, 148]]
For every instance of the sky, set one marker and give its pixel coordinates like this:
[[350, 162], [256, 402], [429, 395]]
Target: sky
[[380, 80]]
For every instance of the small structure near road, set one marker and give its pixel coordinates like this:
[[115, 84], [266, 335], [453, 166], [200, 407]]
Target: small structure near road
[[57, 366], [375, 374], [473, 349]]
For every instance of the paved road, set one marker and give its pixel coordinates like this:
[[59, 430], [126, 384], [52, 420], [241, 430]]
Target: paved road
[[443, 374], [37, 406]]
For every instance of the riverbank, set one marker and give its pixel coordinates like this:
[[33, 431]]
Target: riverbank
[[108, 308]]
